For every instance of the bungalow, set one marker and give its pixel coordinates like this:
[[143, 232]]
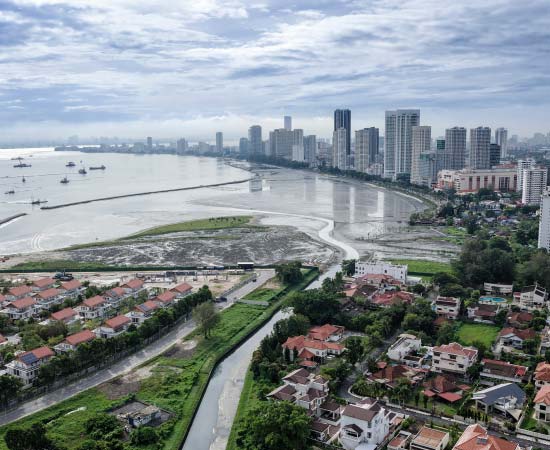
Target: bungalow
[[72, 287], [507, 398], [520, 319], [514, 337], [113, 327], [542, 404], [544, 340], [49, 297], [483, 313], [21, 309], [401, 441], [310, 349], [364, 425], [378, 280], [498, 289], [165, 299], [447, 307], [389, 375], [532, 298], [430, 439], [475, 437], [18, 292], [182, 290], [143, 312], [74, 340], [444, 387], [453, 358], [25, 366], [327, 333], [404, 346], [502, 370], [320, 430], [66, 315], [542, 374], [133, 286], [389, 299], [93, 308], [115, 296], [43, 284]]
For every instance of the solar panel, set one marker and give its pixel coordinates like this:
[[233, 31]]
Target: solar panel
[[29, 358]]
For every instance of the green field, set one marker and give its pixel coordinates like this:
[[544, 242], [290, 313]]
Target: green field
[[58, 265], [468, 333], [422, 267], [262, 294]]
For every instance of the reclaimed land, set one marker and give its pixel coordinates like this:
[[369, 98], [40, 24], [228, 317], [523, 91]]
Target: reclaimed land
[[175, 381]]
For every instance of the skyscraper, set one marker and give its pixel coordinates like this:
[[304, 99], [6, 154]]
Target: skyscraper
[[421, 144], [534, 184], [455, 148], [389, 144], [243, 146], [494, 155], [544, 221], [181, 146], [366, 148], [310, 149], [150, 143], [399, 123], [339, 149], [219, 142], [288, 123], [501, 138], [281, 142], [255, 140], [480, 142], [523, 164], [342, 119]]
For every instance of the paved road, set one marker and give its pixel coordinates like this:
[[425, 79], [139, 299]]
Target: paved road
[[125, 365]]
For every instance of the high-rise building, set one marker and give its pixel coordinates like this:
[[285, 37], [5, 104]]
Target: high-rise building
[[181, 146], [288, 123], [494, 155], [150, 143], [501, 138], [480, 142], [255, 146], [244, 146], [455, 148], [534, 183], [427, 169], [366, 148], [523, 164], [310, 149], [339, 149], [421, 144], [544, 220], [281, 142], [219, 142], [342, 119], [298, 145], [398, 137]]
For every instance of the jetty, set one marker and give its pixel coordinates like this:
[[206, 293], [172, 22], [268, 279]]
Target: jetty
[[9, 219]]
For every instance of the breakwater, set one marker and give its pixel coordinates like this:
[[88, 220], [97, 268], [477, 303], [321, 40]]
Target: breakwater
[[9, 219], [137, 194]]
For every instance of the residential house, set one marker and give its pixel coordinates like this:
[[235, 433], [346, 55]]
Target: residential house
[[21, 309], [378, 280], [514, 337], [93, 308], [67, 315], [18, 292], [397, 271], [506, 398], [542, 374], [544, 340], [532, 298], [320, 430], [542, 404], [133, 286], [25, 366], [498, 289], [366, 423], [142, 312], [404, 346], [311, 350], [401, 441], [43, 283], [482, 313], [503, 370], [389, 375], [182, 290], [520, 319], [73, 287], [49, 297], [74, 340], [453, 358], [430, 439], [444, 387], [115, 296], [447, 307], [327, 333], [165, 299], [303, 388], [113, 327], [475, 437], [388, 299]]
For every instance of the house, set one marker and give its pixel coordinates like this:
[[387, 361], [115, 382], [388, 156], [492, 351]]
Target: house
[[401, 441], [502, 370], [25, 366], [67, 315], [143, 312], [21, 309], [475, 437], [182, 290], [364, 424], [447, 307], [72, 287], [144, 416], [519, 319], [544, 340], [444, 387], [310, 349], [542, 404], [531, 298], [115, 296], [378, 280], [74, 340], [3, 300], [93, 308], [43, 284], [133, 286], [404, 346], [453, 358], [18, 292], [429, 439], [49, 297], [498, 289], [397, 271], [514, 337], [113, 327], [304, 389], [387, 299], [542, 374], [482, 313], [320, 430], [165, 299], [506, 398], [389, 375], [327, 333]]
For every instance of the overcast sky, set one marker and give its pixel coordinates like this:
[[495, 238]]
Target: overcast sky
[[188, 68]]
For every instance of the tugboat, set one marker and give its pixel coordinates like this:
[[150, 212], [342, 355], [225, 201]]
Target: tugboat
[[102, 167], [82, 171], [64, 180], [70, 164], [11, 191]]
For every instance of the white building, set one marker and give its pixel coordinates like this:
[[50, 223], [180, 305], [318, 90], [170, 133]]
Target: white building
[[453, 358], [430, 439], [397, 271], [366, 148], [467, 181], [544, 220], [113, 327], [447, 307], [501, 139], [364, 423], [26, 365], [480, 142], [298, 153], [404, 346], [93, 308], [398, 141], [219, 142], [21, 309], [421, 145], [524, 164], [534, 183], [339, 149], [532, 298]]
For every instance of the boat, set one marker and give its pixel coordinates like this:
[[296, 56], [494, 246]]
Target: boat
[[20, 165], [38, 202], [102, 167], [82, 171], [70, 164], [10, 192], [64, 180], [17, 158], [23, 180]]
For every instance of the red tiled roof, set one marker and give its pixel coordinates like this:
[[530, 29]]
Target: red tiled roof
[[542, 372], [39, 353], [182, 288], [543, 395], [520, 317], [475, 437], [49, 293], [43, 282], [94, 301], [71, 285], [117, 292], [149, 306], [519, 371], [522, 334], [323, 332], [66, 313], [81, 337], [166, 297], [18, 291], [455, 348], [117, 321], [450, 396], [135, 283], [23, 303]]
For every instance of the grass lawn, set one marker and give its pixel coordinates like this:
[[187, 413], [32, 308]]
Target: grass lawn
[[58, 265], [470, 332], [262, 294], [422, 267]]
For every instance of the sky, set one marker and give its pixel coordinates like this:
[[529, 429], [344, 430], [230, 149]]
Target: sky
[[189, 68]]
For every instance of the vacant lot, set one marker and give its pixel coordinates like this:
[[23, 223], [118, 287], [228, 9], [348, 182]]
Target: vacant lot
[[422, 267], [468, 333]]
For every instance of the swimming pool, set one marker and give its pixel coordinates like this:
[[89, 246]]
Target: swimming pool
[[488, 299]]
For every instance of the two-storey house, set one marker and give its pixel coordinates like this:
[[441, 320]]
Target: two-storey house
[[93, 308], [453, 358], [25, 366], [113, 327], [366, 423]]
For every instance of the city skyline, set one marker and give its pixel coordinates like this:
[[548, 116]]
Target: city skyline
[[94, 68]]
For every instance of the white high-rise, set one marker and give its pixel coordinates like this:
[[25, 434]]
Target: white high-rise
[[219, 142], [339, 149], [288, 123], [310, 149], [544, 220], [523, 164], [455, 148], [255, 140], [399, 123], [480, 145], [421, 144], [389, 144], [501, 138], [534, 183], [366, 148]]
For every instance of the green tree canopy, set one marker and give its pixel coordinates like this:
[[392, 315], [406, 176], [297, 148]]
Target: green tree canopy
[[207, 317]]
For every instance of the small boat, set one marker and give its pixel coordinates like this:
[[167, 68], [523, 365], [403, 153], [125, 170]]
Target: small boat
[[23, 180], [64, 180], [38, 202], [20, 165], [10, 192], [17, 158], [102, 167], [82, 171], [70, 164]]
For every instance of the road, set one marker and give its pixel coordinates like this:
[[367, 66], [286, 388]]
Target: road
[[127, 364]]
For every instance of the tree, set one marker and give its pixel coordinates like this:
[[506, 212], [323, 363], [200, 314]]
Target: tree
[[355, 349], [348, 266], [419, 289], [446, 333], [317, 305], [207, 317], [102, 425], [33, 438], [10, 388], [275, 426], [289, 273], [402, 390], [144, 436]]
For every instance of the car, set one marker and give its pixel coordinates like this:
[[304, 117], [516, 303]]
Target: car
[[254, 280], [221, 299]]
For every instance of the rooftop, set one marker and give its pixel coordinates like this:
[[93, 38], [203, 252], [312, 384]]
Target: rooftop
[[428, 437]]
